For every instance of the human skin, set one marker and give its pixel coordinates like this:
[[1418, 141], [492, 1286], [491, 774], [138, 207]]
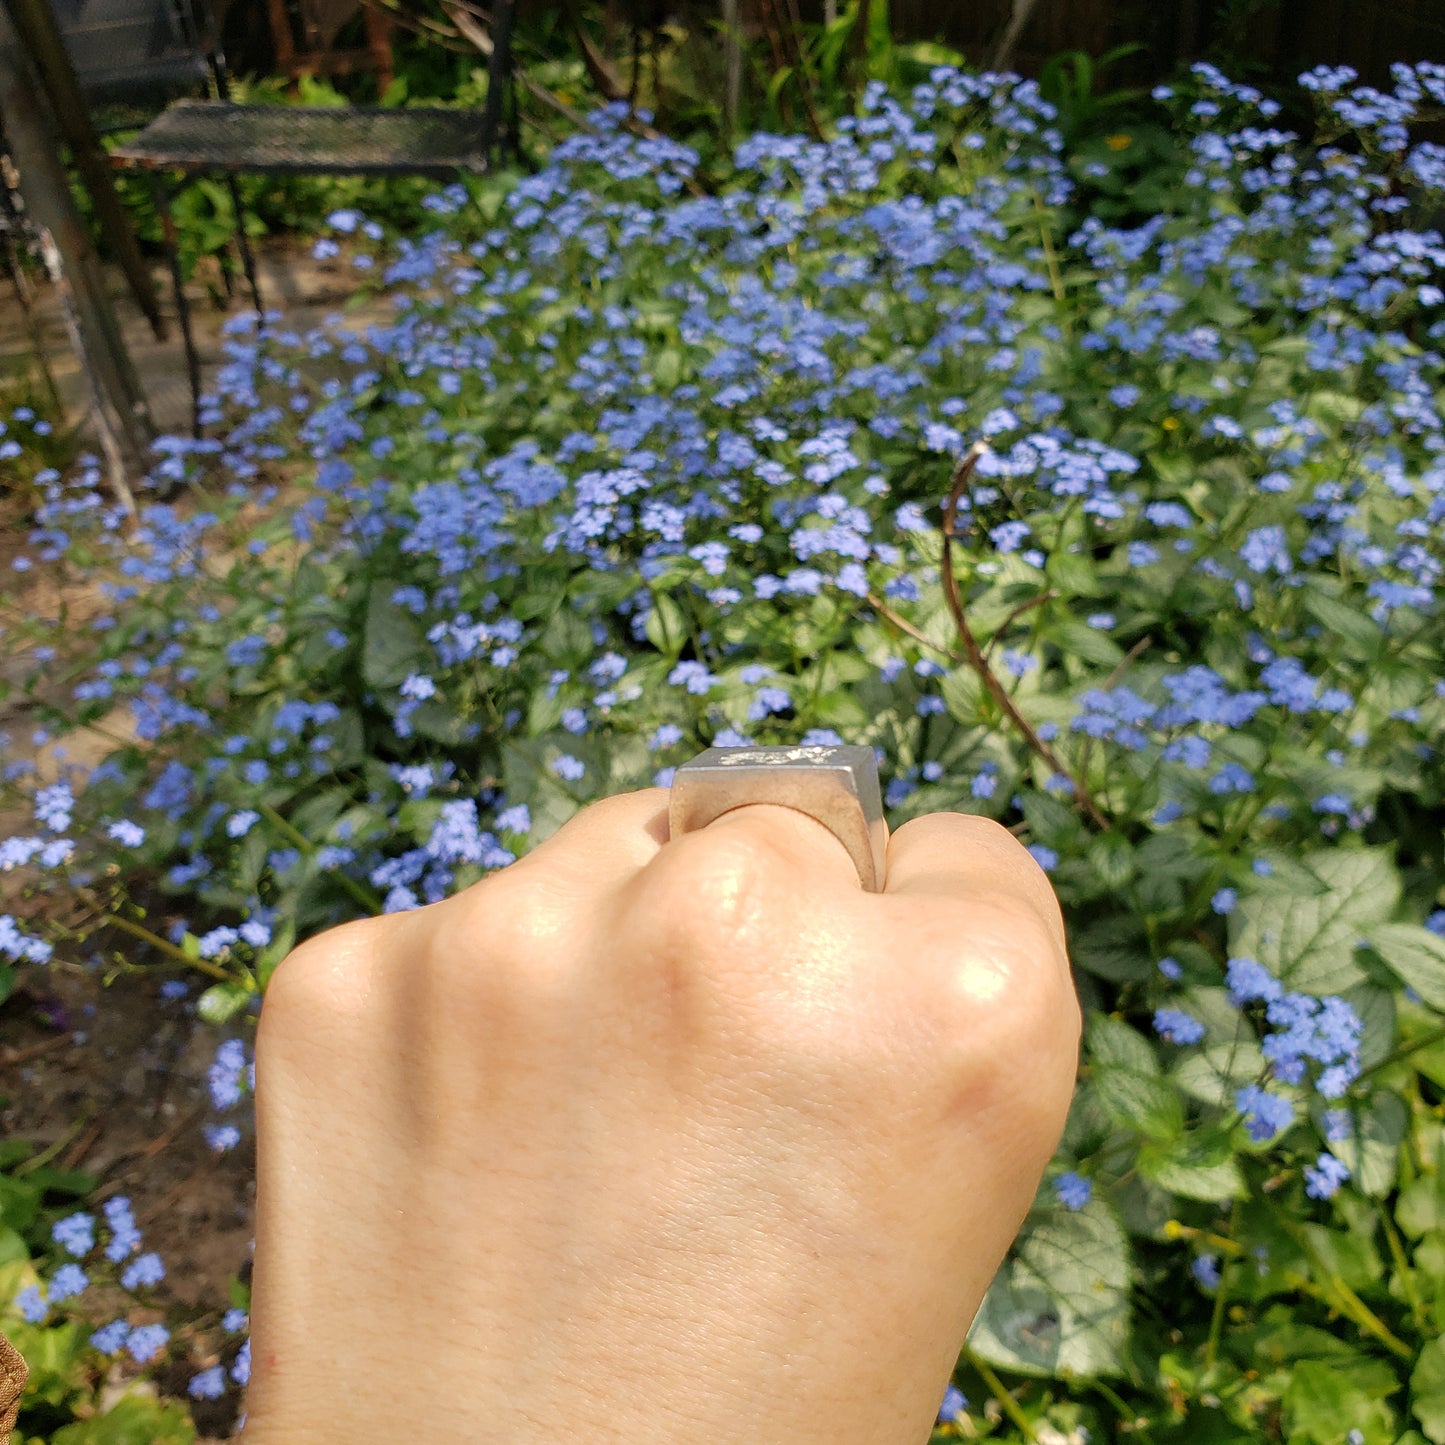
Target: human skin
[[655, 1141]]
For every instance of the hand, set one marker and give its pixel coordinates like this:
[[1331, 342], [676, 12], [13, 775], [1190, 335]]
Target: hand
[[656, 1141]]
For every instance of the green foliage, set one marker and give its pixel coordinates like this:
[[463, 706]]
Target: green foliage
[[635, 471]]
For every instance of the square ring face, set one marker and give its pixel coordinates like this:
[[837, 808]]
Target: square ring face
[[837, 786]]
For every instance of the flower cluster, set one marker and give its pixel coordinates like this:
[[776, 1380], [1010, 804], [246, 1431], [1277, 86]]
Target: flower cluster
[[631, 469]]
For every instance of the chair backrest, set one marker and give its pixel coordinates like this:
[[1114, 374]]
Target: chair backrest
[[142, 52], [305, 35]]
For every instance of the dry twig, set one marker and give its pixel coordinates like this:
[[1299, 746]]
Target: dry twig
[[975, 657]]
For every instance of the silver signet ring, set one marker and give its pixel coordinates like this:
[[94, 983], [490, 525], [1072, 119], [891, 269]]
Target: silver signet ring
[[836, 785]]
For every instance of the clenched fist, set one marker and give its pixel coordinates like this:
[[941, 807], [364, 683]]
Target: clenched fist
[[655, 1141]]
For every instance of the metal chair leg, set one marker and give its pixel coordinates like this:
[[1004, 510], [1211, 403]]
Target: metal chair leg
[[243, 244], [162, 195]]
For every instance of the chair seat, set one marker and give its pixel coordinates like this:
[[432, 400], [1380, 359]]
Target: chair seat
[[196, 135]]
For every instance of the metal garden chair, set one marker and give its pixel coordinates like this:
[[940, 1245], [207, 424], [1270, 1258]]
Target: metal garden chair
[[129, 49]]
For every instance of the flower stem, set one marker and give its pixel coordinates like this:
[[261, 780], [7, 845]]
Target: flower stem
[[358, 890], [979, 663], [1404, 1051], [165, 946], [999, 1391]]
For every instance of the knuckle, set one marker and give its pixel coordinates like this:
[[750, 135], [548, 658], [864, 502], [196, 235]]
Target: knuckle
[[1009, 991], [714, 889], [310, 972], [320, 982], [512, 936]]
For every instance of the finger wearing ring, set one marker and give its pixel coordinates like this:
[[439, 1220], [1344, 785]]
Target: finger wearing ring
[[835, 785]]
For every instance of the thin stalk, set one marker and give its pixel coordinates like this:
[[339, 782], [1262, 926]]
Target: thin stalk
[[1128, 1419], [998, 1390], [40, 1160], [904, 625], [1404, 1051], [1216, 1318], [1338, 1296], [974, 653], [359, 891], [165, 946], [1056, 281], [1014, 616], [1402, 1265], [1349, 1304]]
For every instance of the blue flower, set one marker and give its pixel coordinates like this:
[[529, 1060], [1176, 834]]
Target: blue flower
[[1265, 1114], [146, 1342], [568, 767], [226, 1072], [1324, 1178], [210, 1384], [1073, 1190], [69, 1280], [1249, 981], [1205, 1269], [516, 819], [143, 1272], [75, 1234], [125, 1236], [1177, 1026], [110, 1339], [32, 1305], [692, 675], [221, 1138], [955, 1402]]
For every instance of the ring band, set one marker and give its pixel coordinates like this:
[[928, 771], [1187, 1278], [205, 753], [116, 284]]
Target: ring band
[[837, 786]]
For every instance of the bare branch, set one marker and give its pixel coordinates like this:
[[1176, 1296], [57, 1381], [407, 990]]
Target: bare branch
[[976, 660]]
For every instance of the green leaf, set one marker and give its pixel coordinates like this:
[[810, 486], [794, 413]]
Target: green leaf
[[1114, 947], [1073, 574], [1378, 1019], [1111, 856], [1215, 1073], [392, 645], [7, 981], [1327, 1400], [224, 1000], [962, 694], [282, 942], [1414, 955], [1199, 1165], [1140, 1102], [1373, 1149], [1427, 1391], [1111, 1043], [1308, 939], [1352, 626], [667, 628], [1078, 639], [137, 1419], [440, 721], [1421, 1207], [1060, 1307]]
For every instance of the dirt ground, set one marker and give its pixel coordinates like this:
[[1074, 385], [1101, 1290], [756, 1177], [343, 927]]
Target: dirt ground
[[112, 1080]]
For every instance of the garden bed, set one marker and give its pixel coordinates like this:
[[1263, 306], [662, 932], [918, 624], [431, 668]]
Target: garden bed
[[1125, 532]]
